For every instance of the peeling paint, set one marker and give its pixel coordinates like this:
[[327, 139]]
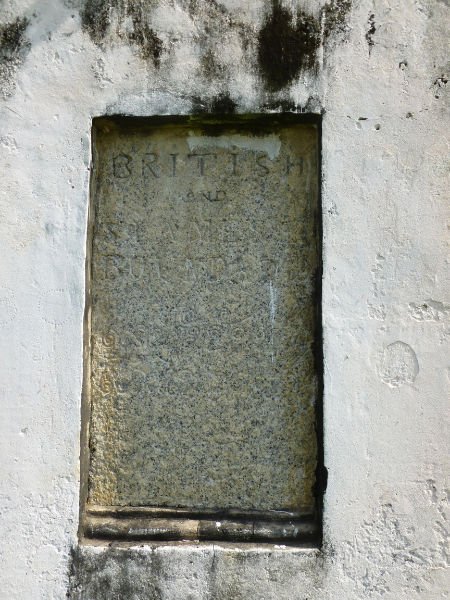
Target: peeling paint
[[398, 546], [430, 310], [399, 365]]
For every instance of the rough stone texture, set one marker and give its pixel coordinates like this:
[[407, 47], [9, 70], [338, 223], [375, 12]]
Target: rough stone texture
[[203, 316], [385, 281]]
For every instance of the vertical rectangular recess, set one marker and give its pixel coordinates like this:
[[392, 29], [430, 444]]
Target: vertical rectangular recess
[[202, 377]]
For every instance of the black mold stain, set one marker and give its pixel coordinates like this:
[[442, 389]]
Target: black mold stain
[[12, 37], [96, 18], [287, 46], [112, 574], [199, 107], [439, 85], [311, 105], [14, 46], [283, 106], [211, 67], [371, 32], [218, 18], [96, 21], [196, 6], [216, 23], [222, 104], [334, 15], [145, 37]]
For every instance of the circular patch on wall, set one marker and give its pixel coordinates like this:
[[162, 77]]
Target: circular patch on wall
[[399, 364]]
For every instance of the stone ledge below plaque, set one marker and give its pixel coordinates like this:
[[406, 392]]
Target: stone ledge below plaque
[[144, 523]]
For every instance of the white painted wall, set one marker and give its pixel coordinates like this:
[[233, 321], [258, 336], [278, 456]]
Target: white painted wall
[[386, 301]]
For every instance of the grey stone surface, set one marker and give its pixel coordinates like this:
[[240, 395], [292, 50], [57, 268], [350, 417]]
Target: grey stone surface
[[203, 299]]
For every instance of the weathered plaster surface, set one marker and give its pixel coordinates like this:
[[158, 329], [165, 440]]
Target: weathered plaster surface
[[379, 70]]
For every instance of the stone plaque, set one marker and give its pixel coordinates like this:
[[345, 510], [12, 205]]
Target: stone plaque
[[202, 377]]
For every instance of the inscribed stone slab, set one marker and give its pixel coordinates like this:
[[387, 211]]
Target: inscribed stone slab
[[203, 316]]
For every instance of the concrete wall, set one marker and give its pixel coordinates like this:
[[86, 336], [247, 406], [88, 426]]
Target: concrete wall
[[378, 72]]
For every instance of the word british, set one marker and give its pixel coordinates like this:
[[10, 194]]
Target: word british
[[154, 164]]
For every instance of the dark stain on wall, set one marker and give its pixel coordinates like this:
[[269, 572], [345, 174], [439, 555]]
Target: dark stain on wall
[[371, 32], [287, 46], [14, 46], [96, 21], [287, 43], [285, 105], [282, 105], [439, 85], [112, 574], [119, 573], [96, 18], [143, 36], [12, 37], [222, 104], [334, 15], [212, 68], [215, 27]]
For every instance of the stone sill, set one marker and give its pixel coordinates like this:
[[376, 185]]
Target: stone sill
[[156, 524]]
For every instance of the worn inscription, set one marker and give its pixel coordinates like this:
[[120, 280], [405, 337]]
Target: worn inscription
[[201, 164], [203, 314]]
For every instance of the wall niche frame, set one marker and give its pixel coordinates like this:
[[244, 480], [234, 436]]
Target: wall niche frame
[[225, 211]]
